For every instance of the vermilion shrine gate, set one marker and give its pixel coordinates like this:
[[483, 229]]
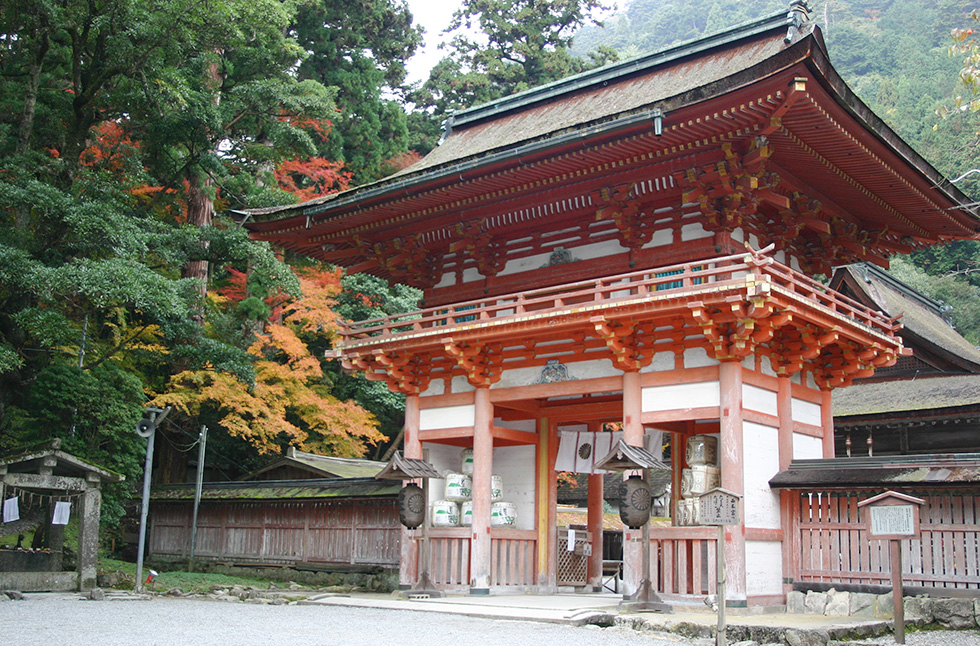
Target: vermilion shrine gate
[[635, 244]]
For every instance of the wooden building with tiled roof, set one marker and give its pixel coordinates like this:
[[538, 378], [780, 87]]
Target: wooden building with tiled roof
[[634, 247]]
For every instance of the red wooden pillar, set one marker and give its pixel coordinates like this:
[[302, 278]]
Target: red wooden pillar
[[408, 572], [827, 421], [482, 472], [732, 456], [633, 435], [784, 406], [595, 528]]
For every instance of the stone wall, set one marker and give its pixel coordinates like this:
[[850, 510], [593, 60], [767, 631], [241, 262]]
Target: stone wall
[[919, 610]]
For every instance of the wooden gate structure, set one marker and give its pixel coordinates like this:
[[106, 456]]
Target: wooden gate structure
[[634, 244]]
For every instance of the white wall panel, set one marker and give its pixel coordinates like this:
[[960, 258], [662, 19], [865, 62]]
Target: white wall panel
[[515, 466], [698, 395], [806, 412], [760, 450], [447, 417], [807, 447], [759, 400], [763, 568]]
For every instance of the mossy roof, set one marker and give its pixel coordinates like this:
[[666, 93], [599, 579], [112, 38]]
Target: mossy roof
[[909, 395], [312, 489]]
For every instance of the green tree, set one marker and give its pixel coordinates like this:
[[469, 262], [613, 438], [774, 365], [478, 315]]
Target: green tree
[[520, 44], [360, 48]]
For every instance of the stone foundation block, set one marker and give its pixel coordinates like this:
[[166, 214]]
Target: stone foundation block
[[954, 613]]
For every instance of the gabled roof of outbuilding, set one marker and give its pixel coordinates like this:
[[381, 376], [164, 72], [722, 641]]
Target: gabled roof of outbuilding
[[923, 318], [60, 463], [323, 466]]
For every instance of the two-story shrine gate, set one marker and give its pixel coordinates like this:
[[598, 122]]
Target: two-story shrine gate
[[634, 244]]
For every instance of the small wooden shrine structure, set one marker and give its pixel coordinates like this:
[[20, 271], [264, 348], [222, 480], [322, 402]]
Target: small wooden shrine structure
[[37, 479], [636, 246]]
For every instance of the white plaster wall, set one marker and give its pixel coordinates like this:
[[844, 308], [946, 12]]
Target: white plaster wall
[[660, 238], [806, 412], [462, 385], [678, 396], [738, 235], [759, 400], [694, 231], [763, 567], [446, 459], [807, 447], [583, 252], [447, 417], [577, 369], [447, 279], [436, 387], [794, 264], [765, 366], [528, 425], [698, 358], [760, 450], [754, 241], [662, 361], [515, 466]]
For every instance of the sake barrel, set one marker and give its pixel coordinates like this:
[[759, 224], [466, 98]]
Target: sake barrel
[[466, 461], [445, 513], [466, 513], [503, 514], [702, 449], [496, 488], [458, 487]]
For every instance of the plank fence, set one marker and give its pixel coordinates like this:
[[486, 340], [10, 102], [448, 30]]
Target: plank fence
[[835, 548], [348, 532]]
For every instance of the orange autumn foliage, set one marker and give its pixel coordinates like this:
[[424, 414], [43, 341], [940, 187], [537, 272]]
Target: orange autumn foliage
[[287, 403], [311, 178]]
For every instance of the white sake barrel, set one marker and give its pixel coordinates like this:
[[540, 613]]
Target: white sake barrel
[[466, 518], [702, 449], [466, 462], [503, 514], [458, 487], [445, 513], [496, 488]]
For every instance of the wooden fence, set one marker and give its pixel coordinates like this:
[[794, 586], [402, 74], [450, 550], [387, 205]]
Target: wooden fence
[[834, 544], [350, 532]]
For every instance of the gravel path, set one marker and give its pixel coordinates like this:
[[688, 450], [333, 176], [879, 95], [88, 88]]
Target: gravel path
[[67, 620]]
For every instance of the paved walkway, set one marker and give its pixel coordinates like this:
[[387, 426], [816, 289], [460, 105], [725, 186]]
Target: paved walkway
[[603, 609]]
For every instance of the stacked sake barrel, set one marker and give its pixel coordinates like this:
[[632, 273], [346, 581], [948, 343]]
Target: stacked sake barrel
[[701, 475], [457, 508]]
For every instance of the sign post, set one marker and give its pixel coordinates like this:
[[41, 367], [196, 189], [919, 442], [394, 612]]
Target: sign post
[[720, 507], [894, 516]]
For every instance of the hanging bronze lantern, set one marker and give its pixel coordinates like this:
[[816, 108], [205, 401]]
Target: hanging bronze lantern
[[634, 504], [411, 505]]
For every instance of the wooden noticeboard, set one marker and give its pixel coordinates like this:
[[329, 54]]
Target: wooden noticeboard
[[718, 507]]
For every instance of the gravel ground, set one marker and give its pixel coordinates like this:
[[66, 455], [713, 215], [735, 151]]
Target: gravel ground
[[67, 620]]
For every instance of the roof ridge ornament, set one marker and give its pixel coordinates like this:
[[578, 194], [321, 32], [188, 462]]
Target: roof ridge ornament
[[799, 14]]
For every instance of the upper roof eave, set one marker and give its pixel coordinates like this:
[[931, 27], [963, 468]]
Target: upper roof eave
[[440, 166]]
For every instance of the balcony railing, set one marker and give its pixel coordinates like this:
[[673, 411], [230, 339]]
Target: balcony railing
[[683, 280]]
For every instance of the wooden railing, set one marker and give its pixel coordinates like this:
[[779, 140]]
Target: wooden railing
[[671, 280], [834, 545], [683, 560], [513, 557]]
